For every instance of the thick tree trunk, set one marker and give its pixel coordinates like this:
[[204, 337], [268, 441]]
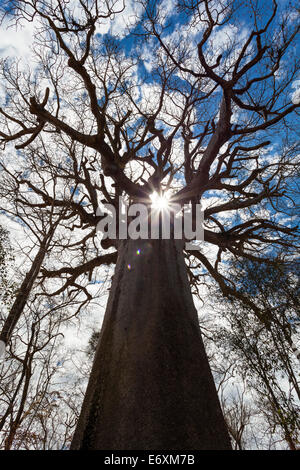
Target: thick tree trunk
[[151, 387]]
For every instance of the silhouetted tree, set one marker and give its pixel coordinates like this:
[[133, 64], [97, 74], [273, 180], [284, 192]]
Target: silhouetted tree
[[211, 120], [266, 355]]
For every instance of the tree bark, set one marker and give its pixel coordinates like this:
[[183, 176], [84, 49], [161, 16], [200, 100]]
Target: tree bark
[[151, 387]]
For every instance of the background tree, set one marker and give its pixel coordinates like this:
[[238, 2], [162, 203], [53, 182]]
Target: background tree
[[266, 357], [209, 116], [7, 287]]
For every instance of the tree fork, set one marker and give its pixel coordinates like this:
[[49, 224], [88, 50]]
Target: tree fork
[[151, 387]]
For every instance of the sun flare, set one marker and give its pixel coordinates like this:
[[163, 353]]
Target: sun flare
[[159, 201]]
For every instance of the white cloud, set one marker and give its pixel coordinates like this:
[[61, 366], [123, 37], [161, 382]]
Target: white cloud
[[16, 42], [296, 94], [118, 24]]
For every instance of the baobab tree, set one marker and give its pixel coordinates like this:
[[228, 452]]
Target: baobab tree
[[197, 102]]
